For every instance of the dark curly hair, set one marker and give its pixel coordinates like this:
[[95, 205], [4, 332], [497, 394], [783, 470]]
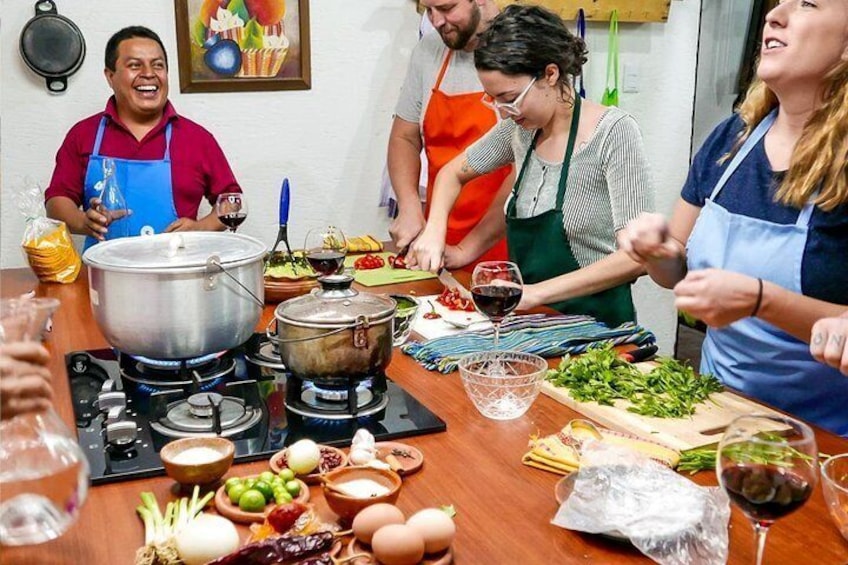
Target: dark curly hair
[[523, 40]]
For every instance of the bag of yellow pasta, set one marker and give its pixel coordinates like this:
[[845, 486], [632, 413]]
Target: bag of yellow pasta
[[47, 243]]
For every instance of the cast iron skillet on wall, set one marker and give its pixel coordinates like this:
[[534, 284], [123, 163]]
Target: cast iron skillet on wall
[[52, 46]]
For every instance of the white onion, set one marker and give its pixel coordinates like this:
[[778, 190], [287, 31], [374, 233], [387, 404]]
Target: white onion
[[303, 456], [206, 538]]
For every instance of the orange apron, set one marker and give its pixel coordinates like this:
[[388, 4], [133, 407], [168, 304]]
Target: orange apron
[[452, 122]]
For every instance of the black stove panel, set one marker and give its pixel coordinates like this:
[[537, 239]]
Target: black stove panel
[[120, 420]]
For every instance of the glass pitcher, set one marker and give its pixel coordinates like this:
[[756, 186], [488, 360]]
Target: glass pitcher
[[43, 472]]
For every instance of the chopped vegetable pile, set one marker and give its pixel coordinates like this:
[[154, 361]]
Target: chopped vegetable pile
[[670, 390]]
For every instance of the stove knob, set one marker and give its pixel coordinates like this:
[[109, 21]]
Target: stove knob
[[121, 435], [107, 400], [115, 414], [108, 385]]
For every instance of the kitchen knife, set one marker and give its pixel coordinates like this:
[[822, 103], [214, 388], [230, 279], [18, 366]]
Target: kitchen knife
[[451, 283], [642, 354], [283, 234]]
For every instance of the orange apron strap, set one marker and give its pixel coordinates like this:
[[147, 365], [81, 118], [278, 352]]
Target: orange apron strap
[[443, 70]]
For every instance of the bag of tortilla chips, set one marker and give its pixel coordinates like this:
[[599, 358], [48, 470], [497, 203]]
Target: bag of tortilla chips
[[47, 243]]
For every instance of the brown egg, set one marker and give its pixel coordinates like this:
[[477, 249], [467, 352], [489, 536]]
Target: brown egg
[[374, 517], [397, 544], [436, 527]]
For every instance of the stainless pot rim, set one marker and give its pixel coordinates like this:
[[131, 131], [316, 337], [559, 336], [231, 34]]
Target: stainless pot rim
[[163, 253]]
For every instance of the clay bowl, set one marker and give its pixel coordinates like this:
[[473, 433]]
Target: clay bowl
[[197, 460], [346, 505], [290, 283]]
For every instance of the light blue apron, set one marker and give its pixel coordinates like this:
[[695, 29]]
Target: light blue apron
[[146, 186], [751, 355]]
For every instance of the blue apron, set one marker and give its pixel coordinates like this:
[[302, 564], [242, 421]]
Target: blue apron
[[146, 186], [751, 355]]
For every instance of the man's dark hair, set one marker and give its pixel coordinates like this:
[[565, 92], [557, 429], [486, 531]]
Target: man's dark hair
[[129, 33], [524, 40]]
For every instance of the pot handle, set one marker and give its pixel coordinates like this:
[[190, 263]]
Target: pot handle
[[215, 261], [361, 322]]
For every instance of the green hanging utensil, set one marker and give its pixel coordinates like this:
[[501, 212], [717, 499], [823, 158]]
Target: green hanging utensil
[[610, 97]]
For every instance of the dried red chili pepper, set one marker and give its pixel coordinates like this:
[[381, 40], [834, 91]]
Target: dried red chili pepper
[[283, 549]]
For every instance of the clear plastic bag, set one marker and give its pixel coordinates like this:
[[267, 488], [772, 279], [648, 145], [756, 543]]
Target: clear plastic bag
[[620, 493], [47, 243]]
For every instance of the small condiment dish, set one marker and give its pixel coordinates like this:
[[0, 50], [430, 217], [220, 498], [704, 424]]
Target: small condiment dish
[[355, 480], [197, 460]]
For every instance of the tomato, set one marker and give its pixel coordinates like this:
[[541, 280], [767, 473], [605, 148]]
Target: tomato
[[368, 261], [397, 262], [453, 301], [432, 314], [283, 517]]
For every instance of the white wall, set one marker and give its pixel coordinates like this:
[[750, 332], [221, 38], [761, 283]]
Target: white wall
[[330, 141]]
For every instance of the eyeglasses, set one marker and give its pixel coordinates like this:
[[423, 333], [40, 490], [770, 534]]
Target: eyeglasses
[[508, 108]]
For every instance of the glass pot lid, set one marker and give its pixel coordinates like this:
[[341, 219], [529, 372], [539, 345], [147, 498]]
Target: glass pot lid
[[325, 308]]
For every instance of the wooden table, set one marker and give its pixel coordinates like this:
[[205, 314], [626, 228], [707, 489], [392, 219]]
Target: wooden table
[[503, 507]]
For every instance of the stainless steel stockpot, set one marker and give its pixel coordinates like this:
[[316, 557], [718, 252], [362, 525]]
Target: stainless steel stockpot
[[176, 295]]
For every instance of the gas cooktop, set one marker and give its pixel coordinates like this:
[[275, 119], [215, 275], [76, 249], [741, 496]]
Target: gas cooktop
[[127, 409]]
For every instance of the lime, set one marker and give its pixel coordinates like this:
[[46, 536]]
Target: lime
[[265, 488], [235, 492], [293, 487], [232, 481], [286, 474], [266, 476], [282, 497], [252, 501]]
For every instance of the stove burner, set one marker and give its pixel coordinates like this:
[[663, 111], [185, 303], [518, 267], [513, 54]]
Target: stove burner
[[361, 399], [261, 351], [183, 421], [138, 372], [176, 364], [318, 397], [201, 405]]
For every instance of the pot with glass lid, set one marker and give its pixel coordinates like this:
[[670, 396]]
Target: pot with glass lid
[[335, 335]]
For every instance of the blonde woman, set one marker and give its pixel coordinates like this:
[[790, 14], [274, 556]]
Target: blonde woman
[[757, 246]]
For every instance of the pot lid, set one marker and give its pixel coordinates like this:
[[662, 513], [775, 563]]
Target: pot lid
[[315, 308], [174, 251]]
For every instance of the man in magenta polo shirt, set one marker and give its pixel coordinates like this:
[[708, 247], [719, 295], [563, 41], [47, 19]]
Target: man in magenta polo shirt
[[165, 163]]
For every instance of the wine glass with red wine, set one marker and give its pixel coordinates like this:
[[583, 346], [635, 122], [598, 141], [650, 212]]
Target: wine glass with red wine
[[231, 209], [496, 287], [767, 466], [325, 250]]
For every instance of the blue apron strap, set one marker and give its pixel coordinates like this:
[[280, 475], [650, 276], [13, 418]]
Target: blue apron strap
[[743, 152], [806, 213], [96, 151], [167, 156]]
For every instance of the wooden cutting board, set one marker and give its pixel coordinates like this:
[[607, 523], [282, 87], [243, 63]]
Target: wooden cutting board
[[703, 428]]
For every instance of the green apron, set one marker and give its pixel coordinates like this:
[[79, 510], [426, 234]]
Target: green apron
[[540, 247]]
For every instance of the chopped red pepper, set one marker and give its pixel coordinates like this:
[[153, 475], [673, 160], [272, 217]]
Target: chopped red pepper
[[368, 261]]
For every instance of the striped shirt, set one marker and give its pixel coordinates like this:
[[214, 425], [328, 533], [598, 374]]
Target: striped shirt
[[609, 182]]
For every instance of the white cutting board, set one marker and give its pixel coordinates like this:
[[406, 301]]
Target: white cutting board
[[703, 428], [430, 329]]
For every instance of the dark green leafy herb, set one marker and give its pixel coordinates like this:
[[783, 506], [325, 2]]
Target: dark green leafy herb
[[670, 390], [704, 458]]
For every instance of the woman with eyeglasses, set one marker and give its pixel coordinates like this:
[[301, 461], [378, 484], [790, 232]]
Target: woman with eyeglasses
[[581, 173]]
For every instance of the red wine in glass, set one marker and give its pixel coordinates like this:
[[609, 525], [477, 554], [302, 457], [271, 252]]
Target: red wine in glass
[[765, 493], [496, 300], [233, 220], [326, 262]]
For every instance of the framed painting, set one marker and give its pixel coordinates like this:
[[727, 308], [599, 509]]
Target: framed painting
[[243, 45]]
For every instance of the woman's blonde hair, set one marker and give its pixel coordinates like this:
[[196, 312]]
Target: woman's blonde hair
[[820, 158]]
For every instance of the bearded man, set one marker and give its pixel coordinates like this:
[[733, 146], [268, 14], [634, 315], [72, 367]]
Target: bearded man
[[441, 110]]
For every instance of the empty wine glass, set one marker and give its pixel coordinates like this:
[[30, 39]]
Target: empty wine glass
[[231, 208], [43, 472], [496, 287], [325, 250], [767, 465]]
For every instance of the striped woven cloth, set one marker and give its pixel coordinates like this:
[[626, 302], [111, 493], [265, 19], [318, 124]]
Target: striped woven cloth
[[547, 336]]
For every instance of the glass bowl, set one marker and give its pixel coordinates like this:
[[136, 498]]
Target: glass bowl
[[834, 474], [405, 315], [502, 384]]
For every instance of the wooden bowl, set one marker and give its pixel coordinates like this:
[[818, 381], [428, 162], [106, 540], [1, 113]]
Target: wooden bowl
[[229, 510], [184, 468], [315, 477], [346, 506], [278, 290]]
